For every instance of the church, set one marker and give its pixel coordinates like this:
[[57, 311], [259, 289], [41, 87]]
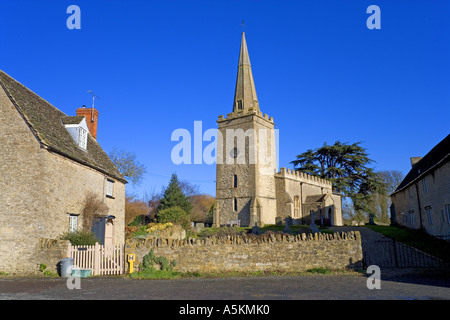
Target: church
[[249, 188]]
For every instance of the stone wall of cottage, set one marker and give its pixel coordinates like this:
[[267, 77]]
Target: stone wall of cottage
[[275, 252], [38, 192], [426, 206]]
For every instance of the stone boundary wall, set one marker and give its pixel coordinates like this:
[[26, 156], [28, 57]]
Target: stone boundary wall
[[273, 252], [48, 251]]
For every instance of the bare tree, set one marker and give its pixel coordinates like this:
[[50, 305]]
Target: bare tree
[[127, 165]]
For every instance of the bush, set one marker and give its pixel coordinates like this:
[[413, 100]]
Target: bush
[[175, 215], [150, 260], [154, 227], [80, 238]]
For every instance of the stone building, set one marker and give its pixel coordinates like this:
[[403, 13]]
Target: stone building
[[422, 200], [249, 188], [48, 163]]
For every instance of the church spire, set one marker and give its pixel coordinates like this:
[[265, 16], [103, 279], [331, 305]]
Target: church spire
[[245, 95]]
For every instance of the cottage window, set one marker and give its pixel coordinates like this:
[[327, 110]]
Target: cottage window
[[429, 217], [82, 138], [73, 223], [411, 217], [109, 188], [424, 185]]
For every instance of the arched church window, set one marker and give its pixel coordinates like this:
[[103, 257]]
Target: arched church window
[[296, 207]]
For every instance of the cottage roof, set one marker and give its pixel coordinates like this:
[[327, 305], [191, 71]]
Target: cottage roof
[[437, 156], [46, 122]]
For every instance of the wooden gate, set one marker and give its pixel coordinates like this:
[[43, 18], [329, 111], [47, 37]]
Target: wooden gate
[[100, 259]]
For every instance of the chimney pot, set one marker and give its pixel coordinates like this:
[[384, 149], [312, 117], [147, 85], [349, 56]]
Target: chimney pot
[[91, 115], [414, 161]]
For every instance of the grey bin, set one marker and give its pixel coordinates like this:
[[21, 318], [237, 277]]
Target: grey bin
[[66, 267]]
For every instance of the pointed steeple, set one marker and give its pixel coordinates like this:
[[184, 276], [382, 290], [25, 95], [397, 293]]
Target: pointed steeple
[[245, 97]]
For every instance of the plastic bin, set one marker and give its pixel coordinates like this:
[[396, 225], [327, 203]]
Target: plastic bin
[[66, 267]]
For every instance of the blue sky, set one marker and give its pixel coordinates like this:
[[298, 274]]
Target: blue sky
[[161, 65]]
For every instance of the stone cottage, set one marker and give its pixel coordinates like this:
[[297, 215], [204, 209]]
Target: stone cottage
[[49, 161], [249, 188], [422, 200]]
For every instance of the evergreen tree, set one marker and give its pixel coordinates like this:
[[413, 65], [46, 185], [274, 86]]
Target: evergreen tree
[[345, 165], [174, 197]]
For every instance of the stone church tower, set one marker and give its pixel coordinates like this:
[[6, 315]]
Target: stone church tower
[[249, 189], [246, 161]]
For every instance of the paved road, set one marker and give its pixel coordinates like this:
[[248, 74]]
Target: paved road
[[330, 287], [395, 284]]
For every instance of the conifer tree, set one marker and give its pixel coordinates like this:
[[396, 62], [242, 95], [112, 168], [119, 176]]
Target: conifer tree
[[345, 165], [174, 197]]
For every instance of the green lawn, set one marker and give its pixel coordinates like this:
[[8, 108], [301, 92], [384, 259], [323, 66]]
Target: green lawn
[[417, 239], [223, 231]]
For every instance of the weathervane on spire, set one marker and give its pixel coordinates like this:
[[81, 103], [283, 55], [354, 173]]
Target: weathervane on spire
[[243, 26]]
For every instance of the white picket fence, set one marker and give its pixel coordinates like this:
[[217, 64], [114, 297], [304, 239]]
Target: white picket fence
[[100, 259]]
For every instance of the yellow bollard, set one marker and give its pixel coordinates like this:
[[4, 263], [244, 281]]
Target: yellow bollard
[[131, 259]]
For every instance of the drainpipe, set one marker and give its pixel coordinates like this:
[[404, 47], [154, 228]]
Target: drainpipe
[[418, 202]]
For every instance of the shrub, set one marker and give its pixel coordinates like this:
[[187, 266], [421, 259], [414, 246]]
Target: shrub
[[130, 230], [80, 238], [150, 260], [175, 215], [152, 227]]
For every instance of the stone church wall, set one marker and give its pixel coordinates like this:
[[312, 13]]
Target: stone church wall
[[275, 252]]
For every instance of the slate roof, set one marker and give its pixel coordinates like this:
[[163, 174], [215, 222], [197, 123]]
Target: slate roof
[[46, 122], [312, 199], [437, 156]]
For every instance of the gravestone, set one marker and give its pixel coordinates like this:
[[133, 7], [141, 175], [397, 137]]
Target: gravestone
[[255, 229], [313, 226], [287, 222]]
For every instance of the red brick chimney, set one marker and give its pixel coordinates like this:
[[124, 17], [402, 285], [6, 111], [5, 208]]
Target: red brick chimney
[[91, 116]]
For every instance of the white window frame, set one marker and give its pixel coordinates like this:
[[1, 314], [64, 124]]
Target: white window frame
[[73, 223], [82, 138], [109, 188]]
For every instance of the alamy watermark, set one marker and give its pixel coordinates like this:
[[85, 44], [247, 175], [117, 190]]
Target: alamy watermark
[[73, 283], [374, 280], [374, 20], [74, 20], [228, 146]]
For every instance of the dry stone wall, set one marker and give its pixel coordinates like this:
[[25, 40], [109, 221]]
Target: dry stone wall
[[273, 252]]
